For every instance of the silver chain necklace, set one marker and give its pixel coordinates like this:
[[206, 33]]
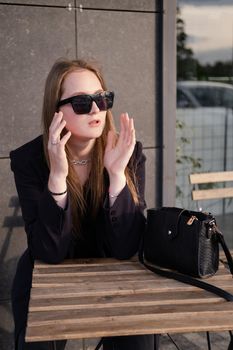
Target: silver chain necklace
[[80, 162]]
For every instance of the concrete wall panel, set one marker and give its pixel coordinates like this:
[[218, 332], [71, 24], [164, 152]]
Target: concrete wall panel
[[124, 45], [151, 160], [12, 244], [55, 3], [13, 237], [31, 39], [6, 326], [126, 5]]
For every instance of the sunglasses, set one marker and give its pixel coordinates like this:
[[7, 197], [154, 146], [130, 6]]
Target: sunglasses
[[82, 104]]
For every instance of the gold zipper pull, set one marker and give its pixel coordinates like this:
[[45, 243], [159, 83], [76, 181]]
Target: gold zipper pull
[[190, 220]]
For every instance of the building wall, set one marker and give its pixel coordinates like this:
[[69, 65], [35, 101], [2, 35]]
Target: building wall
[[120, 34]]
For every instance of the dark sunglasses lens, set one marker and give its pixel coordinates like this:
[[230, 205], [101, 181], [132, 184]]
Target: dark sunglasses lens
[[109, 99], [104, 101], [101, 102], [81, 104]]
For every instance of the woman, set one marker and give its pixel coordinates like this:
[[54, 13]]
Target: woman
[[80, 186]]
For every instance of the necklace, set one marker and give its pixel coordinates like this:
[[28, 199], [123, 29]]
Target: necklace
[[80, 162]]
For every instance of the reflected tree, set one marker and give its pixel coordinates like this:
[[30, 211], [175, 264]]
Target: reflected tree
[[186, 62]]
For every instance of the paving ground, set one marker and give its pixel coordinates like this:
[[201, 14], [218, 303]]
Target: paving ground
[[196, 341], [190, 341]]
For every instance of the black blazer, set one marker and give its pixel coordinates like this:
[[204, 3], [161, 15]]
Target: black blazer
[[116, 231]]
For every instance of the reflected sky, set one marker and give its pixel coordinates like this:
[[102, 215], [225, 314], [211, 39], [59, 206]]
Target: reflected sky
[[209, 27]]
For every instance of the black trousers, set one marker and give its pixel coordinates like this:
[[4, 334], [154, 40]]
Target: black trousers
[[135, 342]]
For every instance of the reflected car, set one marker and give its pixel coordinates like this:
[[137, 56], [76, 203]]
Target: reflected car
[[194, 94]]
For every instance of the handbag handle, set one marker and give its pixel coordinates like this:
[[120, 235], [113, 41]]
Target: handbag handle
[[189, 280]]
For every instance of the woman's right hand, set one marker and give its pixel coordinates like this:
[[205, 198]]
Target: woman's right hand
[[57, 154]]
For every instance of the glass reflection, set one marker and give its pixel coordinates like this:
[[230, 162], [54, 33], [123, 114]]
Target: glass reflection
[[204, 97]]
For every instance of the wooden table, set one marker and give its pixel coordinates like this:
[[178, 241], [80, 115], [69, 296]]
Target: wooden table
[[106, 297]]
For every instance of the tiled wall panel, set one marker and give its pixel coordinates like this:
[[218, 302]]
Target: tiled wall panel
[[12, 237], [40, 2], [151, 161], [124, 44], [6, 326], [12, 244], [125, 5], [31, 38]]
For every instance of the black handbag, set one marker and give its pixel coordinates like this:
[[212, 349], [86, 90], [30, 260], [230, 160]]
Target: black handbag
[[186, 242]]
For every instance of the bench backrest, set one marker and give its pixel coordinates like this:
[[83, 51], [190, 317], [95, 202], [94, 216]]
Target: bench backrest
[[213, 193]]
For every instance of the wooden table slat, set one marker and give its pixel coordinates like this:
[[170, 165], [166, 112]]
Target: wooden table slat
[[141, 325], [170, 298], [60, 316], [115, 288]]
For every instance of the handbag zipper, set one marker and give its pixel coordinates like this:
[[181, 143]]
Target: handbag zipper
[[190, 220]]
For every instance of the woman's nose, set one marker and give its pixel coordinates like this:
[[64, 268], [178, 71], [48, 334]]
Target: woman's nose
[[94, 108]]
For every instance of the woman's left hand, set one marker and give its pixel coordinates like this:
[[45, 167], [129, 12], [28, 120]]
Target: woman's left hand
[[118, 153]]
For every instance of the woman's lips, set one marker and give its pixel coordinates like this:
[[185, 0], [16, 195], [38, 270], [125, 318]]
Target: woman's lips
[[94, 123]]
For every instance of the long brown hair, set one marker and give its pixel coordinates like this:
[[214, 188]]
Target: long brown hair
[[95, 183]]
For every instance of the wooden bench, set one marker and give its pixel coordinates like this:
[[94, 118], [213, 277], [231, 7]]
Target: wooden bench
[[211, 178], [91, 298]]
